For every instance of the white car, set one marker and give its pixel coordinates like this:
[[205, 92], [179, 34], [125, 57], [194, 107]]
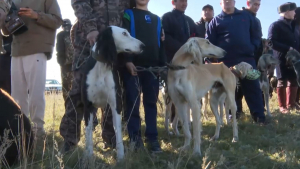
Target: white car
[[53, 86]]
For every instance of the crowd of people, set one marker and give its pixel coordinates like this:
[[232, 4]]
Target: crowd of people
[[238, 32]]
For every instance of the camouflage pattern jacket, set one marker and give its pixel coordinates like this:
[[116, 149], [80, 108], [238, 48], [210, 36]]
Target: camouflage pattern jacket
[[95, 15], [64, 48]]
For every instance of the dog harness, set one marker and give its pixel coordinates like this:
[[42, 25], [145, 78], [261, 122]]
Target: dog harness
[[130, 17]]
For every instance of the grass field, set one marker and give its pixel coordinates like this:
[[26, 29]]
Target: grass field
[[275, 146]]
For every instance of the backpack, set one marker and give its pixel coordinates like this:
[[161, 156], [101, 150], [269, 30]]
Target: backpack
[[132, 25]]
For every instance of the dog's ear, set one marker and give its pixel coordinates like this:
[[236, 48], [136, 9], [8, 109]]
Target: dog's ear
[[193, 48], [106, 50]]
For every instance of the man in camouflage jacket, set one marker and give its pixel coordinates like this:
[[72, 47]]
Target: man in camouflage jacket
[[65, 52], [92, 17]]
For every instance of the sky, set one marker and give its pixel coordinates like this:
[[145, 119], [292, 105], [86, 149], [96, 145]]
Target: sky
[[267, 15]]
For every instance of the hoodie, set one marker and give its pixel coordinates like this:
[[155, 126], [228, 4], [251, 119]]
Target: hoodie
[[237, 33]]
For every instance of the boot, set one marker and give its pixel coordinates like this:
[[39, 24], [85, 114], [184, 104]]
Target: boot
[[281, 93], [291, 95]]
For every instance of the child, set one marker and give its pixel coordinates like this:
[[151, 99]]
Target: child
[[146, 27]]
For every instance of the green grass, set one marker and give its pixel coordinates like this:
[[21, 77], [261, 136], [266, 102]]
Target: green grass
[[275, 146]]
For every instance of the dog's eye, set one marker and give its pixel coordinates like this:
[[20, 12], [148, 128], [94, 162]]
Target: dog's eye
[[124, 33]]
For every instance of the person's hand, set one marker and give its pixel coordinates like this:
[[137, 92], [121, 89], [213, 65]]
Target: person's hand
[[131, 68], [28, 13], [92, 36]]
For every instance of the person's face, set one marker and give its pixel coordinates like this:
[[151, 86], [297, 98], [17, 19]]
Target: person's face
[[254, 5], [207, 14], [290, 14], [142, 2], [180, 5], [227, 4], [67, 28]]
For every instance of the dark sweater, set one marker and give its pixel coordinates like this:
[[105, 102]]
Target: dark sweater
[[178, 29], [238, 34], [146, 31]]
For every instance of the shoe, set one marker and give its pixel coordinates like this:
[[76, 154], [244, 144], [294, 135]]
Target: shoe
[[137, 145], [238, 115], [281, 93], [154, 146], [291, 95], [68, 146]]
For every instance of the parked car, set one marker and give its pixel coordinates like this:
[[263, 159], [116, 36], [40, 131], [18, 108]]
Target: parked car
[[53, 86]]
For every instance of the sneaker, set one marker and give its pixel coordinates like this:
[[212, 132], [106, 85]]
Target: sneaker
[[154, 146], [68, 146]]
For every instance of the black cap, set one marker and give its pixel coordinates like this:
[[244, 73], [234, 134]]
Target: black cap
[[289, 6], [66, 22], [208, 6]]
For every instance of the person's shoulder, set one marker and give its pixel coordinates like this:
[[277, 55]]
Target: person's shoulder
[[168, 14], [61, 33]]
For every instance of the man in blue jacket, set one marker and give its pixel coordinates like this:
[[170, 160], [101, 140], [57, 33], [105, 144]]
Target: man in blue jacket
[[237, 32]]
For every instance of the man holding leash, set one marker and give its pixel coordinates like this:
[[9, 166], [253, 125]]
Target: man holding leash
[[65, 54], [93, 17], [178, 29], [252, 8], [239, 35]]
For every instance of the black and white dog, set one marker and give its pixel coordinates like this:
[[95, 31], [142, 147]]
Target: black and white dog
[[293, 59], [20, 136], [102, 83]]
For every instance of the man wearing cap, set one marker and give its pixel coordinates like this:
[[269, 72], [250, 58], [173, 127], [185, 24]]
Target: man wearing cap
[[236, 32], [207, 16], [283, 37], [65, 52]]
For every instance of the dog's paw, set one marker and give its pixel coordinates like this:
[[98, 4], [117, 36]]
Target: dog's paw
[[214, 138], [235, 140]]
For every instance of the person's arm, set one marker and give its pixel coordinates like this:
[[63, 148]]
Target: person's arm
[[255, 32], [212, 32], [83, 12], [60, 48], [171, 44], [51, 18], [273, 38], [162, 54]]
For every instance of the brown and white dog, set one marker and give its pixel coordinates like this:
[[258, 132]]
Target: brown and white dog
[[188, 82]]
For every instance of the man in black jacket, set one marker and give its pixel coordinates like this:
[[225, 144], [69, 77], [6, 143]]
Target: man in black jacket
[[178, 29], [65, 51], [207, 16]]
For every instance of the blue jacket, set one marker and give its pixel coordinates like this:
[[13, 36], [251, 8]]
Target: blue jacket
[[238, 34]]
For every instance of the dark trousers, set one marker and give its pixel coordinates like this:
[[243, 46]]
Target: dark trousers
[[135, 85], [5, 78], [252, 92]]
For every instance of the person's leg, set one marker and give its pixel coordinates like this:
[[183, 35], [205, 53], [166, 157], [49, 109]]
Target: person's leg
[[133, 90], [150, 89], [281, 94], [19, 89], [291, 94], [239, 99], [70, 126], [35, 74], [253, 96], [64, 80]]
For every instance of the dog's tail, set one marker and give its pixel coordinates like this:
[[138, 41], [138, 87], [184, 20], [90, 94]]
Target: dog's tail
[[193, 48]]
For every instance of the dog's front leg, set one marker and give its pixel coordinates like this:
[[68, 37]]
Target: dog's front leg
[[181, 111], [118, 131], [197, 127], [168, 117], [267, 99]]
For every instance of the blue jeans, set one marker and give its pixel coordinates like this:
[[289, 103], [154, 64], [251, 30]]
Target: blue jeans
[[135, 85]]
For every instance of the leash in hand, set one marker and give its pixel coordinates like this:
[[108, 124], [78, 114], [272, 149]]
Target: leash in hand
[[152, 70]]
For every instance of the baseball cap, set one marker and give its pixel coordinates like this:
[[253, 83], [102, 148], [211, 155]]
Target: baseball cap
[[208, 6]]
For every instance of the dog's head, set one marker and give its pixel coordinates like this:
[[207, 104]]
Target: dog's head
[[292, 57], [267, 62], [201, 48], [242, 69], [114, 40]]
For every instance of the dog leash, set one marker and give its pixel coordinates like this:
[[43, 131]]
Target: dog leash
[[152, 70], [77, 66]]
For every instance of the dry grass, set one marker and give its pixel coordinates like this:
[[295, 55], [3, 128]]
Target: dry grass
[[275, 146]]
